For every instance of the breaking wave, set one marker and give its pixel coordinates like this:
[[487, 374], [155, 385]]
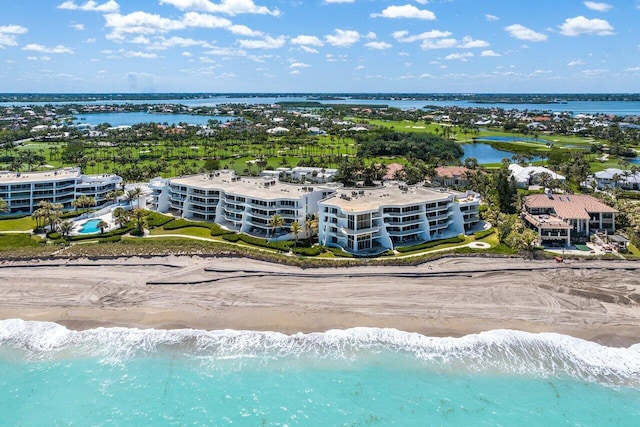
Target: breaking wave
[[497, 351]]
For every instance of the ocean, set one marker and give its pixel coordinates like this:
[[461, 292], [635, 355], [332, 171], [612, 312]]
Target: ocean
[[53, 376]]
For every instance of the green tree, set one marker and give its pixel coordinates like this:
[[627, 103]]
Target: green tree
[[120, 217], [66, 227], [4, 206], [276, 222], [506, 191], [296, 228], [139, 219]]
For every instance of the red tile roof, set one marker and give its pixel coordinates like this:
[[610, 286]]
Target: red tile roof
[[569, 206]]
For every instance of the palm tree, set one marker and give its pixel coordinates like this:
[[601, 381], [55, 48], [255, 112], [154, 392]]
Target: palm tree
[[66, 228], [83, 202], [295, 229], [102, 225], [133, 194], [311, 224], [4, 206], [276, 222], [139, 221], [120, 216]]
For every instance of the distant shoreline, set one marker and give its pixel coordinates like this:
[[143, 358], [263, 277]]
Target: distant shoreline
[[448, 297], [511, 98]]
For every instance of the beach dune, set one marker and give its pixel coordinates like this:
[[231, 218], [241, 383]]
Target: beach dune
[[594, 300]]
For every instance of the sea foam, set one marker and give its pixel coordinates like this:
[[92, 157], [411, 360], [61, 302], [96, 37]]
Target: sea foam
[[496, 351]]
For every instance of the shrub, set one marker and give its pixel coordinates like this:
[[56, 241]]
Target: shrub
[[118, 232], [312, 251], [53, 235], [340, 253], [430, 244], [155, 219], [231, 237]]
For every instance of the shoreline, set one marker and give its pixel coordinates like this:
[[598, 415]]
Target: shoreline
[[595, 300]]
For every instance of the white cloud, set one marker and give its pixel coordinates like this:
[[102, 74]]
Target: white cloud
[[597, 6], [134, 54], [523, 33], [594, 73], [468, 42], [299, 65], [225, 51], [378, 45], [90, 40], [359, 68], [91, 6], [339, 1], [488, 53], [44, 49], [308, 49], [266, 43], [336, 58], [307, 41], [295, 72], [427, 76], [187, 54], [343, 38], [79, 27], [632, 70], [8, 35], [581, 25], [229, 7], [162, 43], [491, 18], [148, 24], [575, 62], [449, 43], [459, 56], [404, 37], [405, 11]]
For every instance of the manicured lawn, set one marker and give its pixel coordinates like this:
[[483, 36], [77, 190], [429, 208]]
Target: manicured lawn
[[21, 224], [187, 231], [11, 242]]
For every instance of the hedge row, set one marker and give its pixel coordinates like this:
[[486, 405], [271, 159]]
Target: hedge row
[[179, 223], [430, 244], [484, 233], [284, 246], [312, 251], [118, 232], [155, 219]]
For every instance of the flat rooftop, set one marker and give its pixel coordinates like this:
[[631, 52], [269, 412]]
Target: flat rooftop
[[370, 199], [264, 188], [10, 177]]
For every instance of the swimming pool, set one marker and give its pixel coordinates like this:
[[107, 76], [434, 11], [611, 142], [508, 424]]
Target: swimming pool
[[90, 226]]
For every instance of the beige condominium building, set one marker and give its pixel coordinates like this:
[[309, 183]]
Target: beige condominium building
[[24, 190], [239, 203], [374, 220]]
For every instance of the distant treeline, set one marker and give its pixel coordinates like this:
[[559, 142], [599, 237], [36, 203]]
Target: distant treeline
[[424, 146], [511, 98]]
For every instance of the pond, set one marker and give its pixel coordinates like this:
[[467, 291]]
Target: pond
[[133, 118], [485, 153], [510, 139]]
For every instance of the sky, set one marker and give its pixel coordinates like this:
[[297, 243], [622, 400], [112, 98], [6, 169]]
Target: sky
[[320, 46]]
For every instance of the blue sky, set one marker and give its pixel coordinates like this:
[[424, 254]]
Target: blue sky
[[320, 46]]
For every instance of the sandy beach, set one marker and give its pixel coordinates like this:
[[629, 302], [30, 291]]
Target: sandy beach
[[594, 300]]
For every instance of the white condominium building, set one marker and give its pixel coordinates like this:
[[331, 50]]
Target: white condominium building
[[24, 190], [373, 220], [239, 203]]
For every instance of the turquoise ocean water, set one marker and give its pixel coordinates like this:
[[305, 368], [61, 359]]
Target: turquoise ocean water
[[51, 376]]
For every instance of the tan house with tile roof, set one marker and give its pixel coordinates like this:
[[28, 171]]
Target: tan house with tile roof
[[563, 218]]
